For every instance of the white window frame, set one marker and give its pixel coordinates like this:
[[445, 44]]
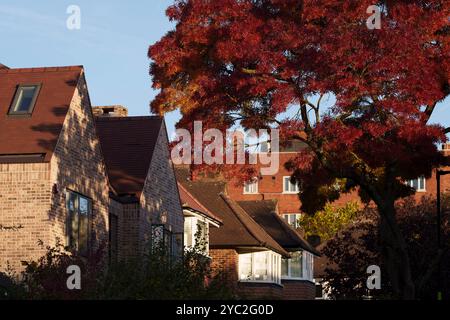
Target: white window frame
[[291, 185], [273, 267], [419, 179], [286, 217], [253, 187], [307, 268], [194, 228]]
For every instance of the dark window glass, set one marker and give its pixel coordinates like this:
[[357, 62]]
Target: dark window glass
[[25, 99], [79, 209]]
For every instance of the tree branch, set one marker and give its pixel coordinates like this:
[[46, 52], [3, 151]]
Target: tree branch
[[447, 130]]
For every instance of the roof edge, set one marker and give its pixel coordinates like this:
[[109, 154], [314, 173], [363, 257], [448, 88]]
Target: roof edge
[[231, 204]]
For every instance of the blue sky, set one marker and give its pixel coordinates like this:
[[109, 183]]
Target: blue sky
[[112, 45]]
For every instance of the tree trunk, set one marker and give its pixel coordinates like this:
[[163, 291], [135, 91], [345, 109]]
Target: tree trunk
[[395, 252]]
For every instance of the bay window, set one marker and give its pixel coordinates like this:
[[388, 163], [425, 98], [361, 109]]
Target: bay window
[[299, 267], [260, 267]]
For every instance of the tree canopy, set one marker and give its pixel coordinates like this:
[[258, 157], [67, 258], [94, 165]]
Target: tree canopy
[[249, 61]]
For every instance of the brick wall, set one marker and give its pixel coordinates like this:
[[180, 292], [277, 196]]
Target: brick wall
[[271, 187], [160, 200], [258, 291], [226, 261], [25, 194], [77, 165], [298, 290]]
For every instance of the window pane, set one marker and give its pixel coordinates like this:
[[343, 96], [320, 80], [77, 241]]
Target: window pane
[[84, 206], [286, 184], [83, 234], [245, 266], [188, 232], [284, 268], [261, 264], [25, 97], [296, 265], [421, 183], [416, 184]]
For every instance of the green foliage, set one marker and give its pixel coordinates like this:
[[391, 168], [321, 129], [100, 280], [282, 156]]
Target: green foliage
[[328, 222], [156, 276]]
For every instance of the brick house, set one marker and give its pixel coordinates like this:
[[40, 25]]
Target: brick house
[[259, 253], [53, 183], [144, 201], [58, 180]]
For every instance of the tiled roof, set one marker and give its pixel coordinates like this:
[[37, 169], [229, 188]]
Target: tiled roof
[[38, 133], [239, 230], [264, 212], [128, 144], [188, 200]]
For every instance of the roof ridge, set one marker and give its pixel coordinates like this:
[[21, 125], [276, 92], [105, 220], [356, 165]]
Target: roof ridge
[[42, 69]]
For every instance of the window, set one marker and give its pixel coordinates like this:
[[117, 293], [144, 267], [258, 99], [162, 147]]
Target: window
[[419, 184], [251, 187], [300, 266], [260, 267], [163, 241], [80, 210], [196, 234], [292, 219], [289, 187], [25, 99], [113, 237], [293, 268]]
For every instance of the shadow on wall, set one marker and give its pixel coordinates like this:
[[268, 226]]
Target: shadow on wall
[[77, 165]]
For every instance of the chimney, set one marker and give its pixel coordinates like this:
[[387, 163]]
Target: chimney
[[110, 111], [2, 66]]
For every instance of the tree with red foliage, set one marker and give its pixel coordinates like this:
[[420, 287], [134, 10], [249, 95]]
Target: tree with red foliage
[[250, 61]]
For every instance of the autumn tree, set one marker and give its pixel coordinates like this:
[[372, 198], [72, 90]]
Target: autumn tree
[[252, 62]]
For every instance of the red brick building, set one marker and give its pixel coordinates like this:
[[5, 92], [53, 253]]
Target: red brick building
[[278, 187]]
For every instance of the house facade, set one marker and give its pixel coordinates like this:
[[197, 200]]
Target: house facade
[[259, 254], [61, 183], [145, 204], [48, 149]]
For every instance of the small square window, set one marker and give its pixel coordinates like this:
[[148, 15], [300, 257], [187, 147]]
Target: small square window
[[289, 187], [251, 187], [25, 99]]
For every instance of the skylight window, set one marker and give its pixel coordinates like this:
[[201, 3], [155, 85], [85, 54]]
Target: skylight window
[[25, 99]]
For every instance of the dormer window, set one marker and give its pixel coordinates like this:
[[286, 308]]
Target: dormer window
[[25, 99]]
